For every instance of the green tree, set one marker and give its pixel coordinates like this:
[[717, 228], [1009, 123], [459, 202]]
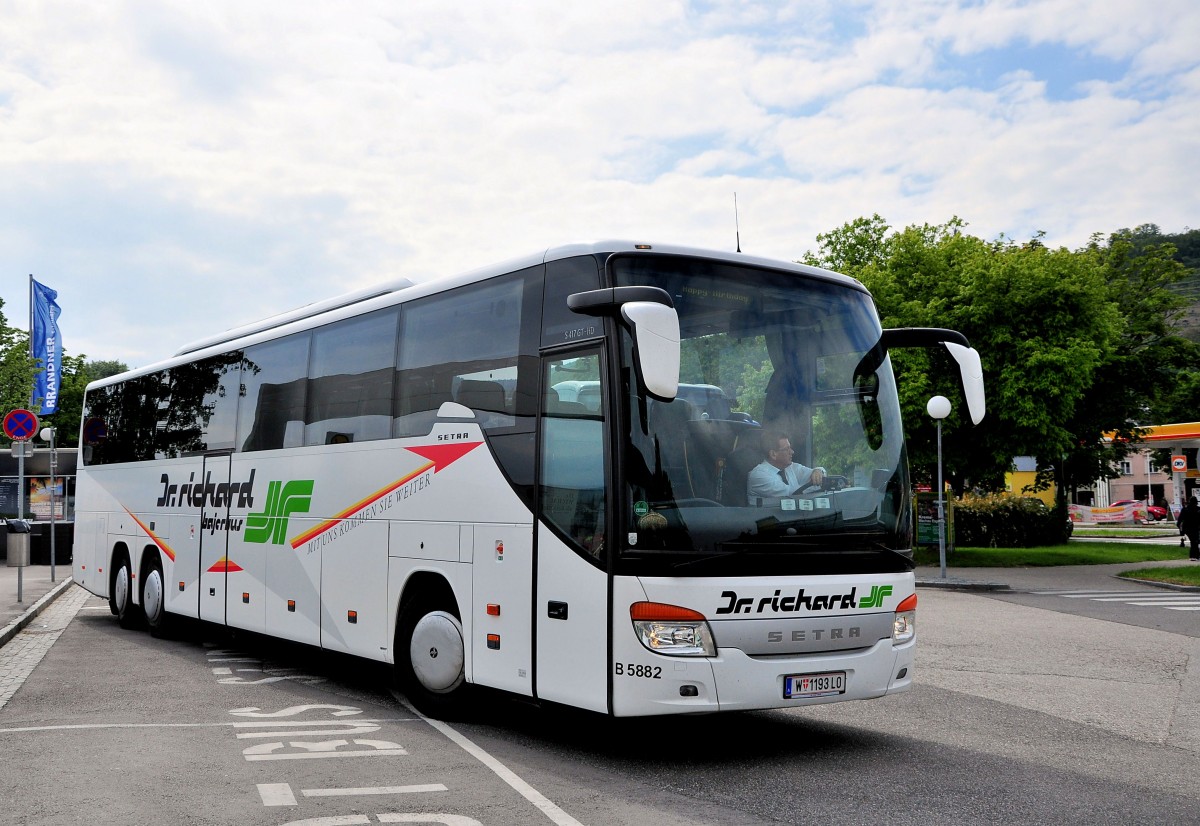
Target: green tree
[[66, 419], [96, 370], [16, 367], [1076, 345], [1141, 376]]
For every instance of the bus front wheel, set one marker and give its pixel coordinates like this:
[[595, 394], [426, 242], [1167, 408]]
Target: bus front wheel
[[430, 658]]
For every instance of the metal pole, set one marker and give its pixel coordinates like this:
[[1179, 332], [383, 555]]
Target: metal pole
[[941, 505], [21, 512], [53, 489], [21, 481]]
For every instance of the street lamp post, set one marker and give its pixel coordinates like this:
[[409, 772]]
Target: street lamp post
[[938, 409]]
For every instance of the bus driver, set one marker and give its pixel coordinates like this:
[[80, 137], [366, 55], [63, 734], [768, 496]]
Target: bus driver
[[777, 476]]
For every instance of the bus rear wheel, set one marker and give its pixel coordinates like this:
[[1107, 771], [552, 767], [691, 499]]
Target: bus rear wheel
[[120, 600], [430, 659], [154, 596]]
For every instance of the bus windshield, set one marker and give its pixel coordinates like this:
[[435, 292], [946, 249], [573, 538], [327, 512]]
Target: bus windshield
[[780, 372]]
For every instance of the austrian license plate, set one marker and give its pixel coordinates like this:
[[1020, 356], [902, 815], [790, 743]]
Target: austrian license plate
[[798, 686]]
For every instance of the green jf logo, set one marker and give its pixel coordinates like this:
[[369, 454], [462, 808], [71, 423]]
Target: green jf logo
[[875, 598], [270, 525]]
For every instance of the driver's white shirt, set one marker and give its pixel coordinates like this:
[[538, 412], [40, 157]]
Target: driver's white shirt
[[765, 487]]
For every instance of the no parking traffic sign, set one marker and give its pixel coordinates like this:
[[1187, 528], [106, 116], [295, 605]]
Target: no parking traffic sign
[[20, 425]]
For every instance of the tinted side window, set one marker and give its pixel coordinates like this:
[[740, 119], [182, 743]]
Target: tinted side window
[[274, 389], [350, 376], [559, 324], [202, 413], [461, 346], [123, 420]]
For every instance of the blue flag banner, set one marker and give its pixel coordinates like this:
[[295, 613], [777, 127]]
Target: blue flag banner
[[46, 346]]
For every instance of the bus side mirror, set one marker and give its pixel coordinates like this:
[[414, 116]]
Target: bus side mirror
[[969, 366], [971, 369], [655, 346], [650, 315]]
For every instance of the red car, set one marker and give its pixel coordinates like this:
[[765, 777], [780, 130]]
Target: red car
[[1156, 513]]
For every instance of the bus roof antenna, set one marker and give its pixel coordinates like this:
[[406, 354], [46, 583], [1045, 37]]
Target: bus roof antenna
[[737, 230]]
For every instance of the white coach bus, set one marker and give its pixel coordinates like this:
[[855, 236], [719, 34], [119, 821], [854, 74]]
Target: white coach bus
[[395, 474]]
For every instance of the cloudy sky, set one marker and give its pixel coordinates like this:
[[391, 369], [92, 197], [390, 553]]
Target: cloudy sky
[[176, 168]]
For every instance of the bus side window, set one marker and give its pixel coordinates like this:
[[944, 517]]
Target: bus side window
[[274, 388], [201, 413], [463, 344], [350, 375]]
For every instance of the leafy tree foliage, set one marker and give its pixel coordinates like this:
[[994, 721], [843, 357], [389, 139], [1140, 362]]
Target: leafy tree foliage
[[16, 367], [95, 370], [1076, 345]]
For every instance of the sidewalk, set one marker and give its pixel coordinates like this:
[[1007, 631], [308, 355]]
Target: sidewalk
[[37, 592]]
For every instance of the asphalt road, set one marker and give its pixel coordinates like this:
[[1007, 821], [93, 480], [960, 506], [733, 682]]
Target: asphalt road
[[1022, 711]]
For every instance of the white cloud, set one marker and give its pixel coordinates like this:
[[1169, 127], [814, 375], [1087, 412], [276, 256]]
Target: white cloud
[[178, 169]]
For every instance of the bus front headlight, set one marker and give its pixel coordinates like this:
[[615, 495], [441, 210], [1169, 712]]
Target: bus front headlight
[[672, 630], [904, 626]]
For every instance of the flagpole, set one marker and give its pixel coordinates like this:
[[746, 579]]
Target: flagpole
[[31, 389]]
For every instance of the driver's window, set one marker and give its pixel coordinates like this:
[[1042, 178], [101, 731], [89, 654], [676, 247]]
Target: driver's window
[[572, 486]]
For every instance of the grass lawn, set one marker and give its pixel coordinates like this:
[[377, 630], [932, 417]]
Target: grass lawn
[[1076, 552], [1176, 576]]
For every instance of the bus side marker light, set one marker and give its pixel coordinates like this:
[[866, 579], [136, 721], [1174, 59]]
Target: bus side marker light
[[493, 641], [181, 585], [292, 605], [493, 609], [352, 617], [672, 630], [246, 597]]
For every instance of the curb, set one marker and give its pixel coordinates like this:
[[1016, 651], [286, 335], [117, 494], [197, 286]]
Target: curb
[[1170, 586], [952, 584], [13, 628]]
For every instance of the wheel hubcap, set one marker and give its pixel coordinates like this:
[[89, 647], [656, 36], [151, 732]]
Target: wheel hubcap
[[153, 597], [121, 589], [436, 652]]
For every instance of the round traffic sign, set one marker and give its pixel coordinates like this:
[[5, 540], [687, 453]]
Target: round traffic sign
[[95, 431], [20, 425]]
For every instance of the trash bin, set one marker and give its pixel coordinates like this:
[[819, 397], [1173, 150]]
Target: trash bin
[[18, 543]]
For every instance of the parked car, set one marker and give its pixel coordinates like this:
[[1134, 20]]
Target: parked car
[[1154, 512]]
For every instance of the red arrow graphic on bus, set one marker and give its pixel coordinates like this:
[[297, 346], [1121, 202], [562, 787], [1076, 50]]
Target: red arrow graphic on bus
[[439, 456], [443, 455], [163, 546]]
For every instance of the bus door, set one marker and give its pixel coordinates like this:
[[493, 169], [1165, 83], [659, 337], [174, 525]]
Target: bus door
[[214, 541], [571, 582]]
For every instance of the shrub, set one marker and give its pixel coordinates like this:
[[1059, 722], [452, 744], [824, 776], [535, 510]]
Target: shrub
[[1007, 521]]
